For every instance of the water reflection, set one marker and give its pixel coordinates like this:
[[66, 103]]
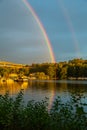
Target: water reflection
[[39, 89], [81, 87], [13, 88]]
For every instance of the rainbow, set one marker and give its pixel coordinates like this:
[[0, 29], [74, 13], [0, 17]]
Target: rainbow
[[70, 25], [51, 100], [48, 43]]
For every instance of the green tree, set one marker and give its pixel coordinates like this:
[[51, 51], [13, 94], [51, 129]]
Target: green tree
[[51, 71]]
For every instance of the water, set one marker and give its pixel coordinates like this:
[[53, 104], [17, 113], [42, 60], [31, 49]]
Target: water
[[39, 89]]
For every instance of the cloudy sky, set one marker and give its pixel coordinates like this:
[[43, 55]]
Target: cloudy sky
[[21, 40]]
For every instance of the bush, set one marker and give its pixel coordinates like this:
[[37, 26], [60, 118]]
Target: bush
[[14, 115]]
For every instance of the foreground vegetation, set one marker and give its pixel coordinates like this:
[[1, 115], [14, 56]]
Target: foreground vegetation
[[14, 115]]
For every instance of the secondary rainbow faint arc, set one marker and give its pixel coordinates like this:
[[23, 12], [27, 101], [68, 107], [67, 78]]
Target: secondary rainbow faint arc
[[67, 17], [42, 30]]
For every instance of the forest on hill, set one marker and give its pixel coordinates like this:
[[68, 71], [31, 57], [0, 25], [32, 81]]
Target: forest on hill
[[72, 69]]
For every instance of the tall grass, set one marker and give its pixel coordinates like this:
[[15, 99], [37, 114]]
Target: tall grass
[[14, 115]]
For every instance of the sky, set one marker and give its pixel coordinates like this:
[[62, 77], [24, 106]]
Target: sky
[[21, 40]]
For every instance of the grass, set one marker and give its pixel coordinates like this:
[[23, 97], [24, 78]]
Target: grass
[[14, 115]]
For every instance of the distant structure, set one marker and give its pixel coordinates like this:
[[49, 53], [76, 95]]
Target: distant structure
[[11, 65]]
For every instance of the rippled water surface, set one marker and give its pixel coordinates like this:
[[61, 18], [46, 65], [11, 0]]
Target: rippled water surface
[[39, 89]]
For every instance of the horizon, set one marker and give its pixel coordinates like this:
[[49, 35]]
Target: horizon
[[42, 62]]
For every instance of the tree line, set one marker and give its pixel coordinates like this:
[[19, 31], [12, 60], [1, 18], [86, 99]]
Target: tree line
[[75, 68]]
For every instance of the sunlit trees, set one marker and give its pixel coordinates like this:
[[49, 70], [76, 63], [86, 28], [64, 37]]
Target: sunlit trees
[[2, 70], [41, 75], [75, 69], [51, 71]]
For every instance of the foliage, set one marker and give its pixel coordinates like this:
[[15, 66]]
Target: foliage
[[51, 71], [14, 115], [73, 69]]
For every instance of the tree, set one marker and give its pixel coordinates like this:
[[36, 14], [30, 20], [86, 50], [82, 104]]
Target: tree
[[51, 72]]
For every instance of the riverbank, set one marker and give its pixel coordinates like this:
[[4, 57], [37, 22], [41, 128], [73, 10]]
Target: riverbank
[[77, 78]]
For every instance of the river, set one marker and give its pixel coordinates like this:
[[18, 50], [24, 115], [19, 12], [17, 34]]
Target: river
[[39, 89]]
